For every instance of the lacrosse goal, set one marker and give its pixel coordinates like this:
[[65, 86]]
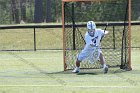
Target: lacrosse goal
[[116, 46]]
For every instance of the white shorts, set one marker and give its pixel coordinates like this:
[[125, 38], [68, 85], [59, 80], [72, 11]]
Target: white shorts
[[85, 54]]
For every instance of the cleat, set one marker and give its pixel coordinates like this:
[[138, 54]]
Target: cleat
[[105, 69], [76, 70]]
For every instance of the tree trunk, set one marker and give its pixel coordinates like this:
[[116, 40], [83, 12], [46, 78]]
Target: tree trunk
[[15, 11], [23, 10], [31, 11], [38, 14], [48, 11]]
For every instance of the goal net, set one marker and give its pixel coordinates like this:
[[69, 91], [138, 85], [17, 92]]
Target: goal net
[[115, 46]]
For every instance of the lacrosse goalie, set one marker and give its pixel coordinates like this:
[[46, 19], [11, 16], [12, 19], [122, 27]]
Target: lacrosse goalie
[[92, 49]]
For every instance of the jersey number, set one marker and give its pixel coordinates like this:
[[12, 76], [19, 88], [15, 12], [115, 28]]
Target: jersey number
[[94, 40]]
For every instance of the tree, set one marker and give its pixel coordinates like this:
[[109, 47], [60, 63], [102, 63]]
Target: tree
[[56, 13], [136, 10], [5, 13], [23, 9], [38, 14], [15, 11], [48, 11], [29, 10]]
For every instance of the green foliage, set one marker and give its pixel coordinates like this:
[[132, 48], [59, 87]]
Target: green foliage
[[5, 13], [136, 10], [101, 12]]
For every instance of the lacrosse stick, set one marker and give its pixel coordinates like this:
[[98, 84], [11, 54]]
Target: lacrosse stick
[[94, 55], [105, 32], [106, 27]]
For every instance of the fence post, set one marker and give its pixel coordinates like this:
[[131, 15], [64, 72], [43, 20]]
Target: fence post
[[34, 39], [114, 43]]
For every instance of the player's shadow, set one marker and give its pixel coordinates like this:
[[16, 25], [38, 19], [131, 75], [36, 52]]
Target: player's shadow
[[87, 73]]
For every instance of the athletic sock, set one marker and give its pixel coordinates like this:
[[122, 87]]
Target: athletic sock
[[104, 65], [77, 68]]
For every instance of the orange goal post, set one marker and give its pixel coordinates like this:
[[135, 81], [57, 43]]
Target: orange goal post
[[116, 46]]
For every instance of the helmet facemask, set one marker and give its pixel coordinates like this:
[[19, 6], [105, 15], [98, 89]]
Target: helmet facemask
[[91, 26], [91, 32]]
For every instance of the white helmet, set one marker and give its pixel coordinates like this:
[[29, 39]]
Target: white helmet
[[91, 25]]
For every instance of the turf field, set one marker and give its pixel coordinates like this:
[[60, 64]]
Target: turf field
[[42, 71]]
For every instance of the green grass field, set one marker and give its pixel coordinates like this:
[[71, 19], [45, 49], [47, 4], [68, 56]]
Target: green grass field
[[42, 71]]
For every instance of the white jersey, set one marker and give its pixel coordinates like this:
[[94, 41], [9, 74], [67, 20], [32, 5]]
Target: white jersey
[[95, 41]]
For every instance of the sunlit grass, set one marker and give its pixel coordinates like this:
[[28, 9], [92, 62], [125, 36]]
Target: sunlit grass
[[42, 71]]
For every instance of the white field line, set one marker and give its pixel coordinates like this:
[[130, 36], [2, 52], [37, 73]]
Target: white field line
[[27, 59], [66, 86], [103, 86]]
